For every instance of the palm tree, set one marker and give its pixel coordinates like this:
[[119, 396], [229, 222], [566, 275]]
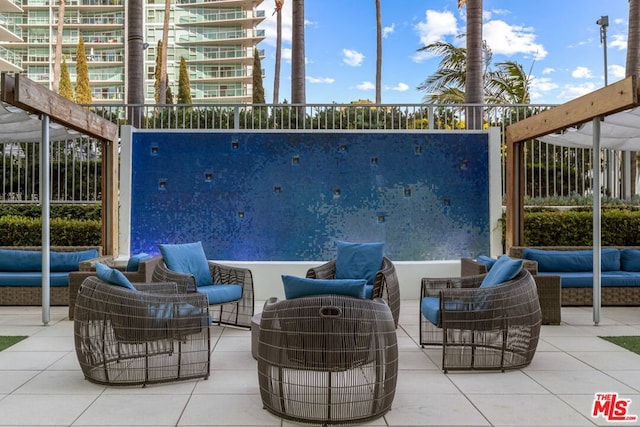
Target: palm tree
[[378, 54], [135, 71], [163, 62], [58, 55], [276, 71], [298, 89], [633, 68], [474, 87]]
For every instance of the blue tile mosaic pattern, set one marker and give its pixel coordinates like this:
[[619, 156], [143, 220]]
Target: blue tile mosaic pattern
[[267, 196]]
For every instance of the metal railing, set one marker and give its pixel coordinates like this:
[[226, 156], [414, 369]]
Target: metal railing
[[551, 171]]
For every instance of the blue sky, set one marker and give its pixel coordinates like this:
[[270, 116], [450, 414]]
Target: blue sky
[[558, 40]]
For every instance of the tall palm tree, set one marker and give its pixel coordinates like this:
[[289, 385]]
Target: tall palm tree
[[58, 54], [163, 62], [135, 63], [276, 71], [474, 87], [378, 53], [298, 88], [633, 68]]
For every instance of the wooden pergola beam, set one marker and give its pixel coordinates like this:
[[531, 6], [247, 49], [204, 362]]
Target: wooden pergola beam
[[30, 96], [610, 99]]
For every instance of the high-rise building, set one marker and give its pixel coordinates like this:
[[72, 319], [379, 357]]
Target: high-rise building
[[216, 38], [9, 32]]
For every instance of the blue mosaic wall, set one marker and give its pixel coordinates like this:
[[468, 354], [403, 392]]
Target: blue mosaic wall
[[266, 196]]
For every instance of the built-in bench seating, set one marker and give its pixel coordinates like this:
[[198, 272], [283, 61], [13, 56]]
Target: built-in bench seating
[[21, 272]]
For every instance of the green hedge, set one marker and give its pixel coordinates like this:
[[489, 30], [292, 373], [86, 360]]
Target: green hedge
[[21, 231], [70, 211], [620, 227]]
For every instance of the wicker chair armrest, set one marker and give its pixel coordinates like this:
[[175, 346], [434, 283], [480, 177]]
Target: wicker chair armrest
[[90, 264], [228, 275], [157, 287], [432, 286], [470, 267], [162, 274], [324, 271]]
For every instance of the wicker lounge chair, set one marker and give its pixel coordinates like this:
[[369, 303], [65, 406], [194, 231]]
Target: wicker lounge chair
[[548, 287], [235, 313], [490, 328], [327, 359], [385, 284], [149, 335]]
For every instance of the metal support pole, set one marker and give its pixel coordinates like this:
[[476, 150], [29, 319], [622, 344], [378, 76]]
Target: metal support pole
[[597, 243], [45, 198]]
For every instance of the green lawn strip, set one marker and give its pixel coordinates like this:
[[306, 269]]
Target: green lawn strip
[[631, 343], [8, 341]]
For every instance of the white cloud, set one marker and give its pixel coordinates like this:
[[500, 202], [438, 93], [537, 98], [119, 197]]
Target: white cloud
[[388, 30], [352, 57], [320, 79], [619, 41], [400, 87], [581, 73], [508, 39], [574, 91], [286, 53], [542, 84], [548, 70], [435, 27], [617, 71], [366, 86]]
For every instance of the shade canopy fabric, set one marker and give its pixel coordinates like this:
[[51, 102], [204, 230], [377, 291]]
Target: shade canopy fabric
[[619, 131], [17, 125]]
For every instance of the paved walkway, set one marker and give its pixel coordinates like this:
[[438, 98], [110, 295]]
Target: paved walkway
[[41, 382]]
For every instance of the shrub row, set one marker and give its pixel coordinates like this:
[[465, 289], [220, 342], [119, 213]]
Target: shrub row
[[69, 211], [22, 231], [620, 227]]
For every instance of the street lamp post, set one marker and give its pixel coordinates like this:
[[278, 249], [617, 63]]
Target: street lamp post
[[604, 23]]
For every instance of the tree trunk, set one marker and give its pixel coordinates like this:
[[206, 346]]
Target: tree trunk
[[474, 86], [165, 43], [135, 63], [298, 88], [57, 60], [633, 68], [378, 54], [276, 71]]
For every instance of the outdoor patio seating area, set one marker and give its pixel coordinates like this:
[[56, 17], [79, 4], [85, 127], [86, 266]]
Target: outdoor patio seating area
[[41, 382]]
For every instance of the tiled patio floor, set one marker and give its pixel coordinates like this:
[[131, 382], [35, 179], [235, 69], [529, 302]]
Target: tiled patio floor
[[41, 382]]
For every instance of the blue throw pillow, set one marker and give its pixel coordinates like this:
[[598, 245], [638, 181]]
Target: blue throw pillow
[[359, 260], [630, 259], [188, 258], [296, 287], [503, 270], [487, 261], [113, 276], [134, 261]]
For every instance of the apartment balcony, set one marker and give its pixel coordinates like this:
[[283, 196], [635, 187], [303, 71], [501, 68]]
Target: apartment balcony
[[243, 76], [9, 61], [245, 19], [9, 31], [245, 4], [93, 22], [238, 56], [248, 37], [10, 6]]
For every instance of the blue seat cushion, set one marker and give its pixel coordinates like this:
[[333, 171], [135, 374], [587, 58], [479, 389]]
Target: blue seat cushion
[[188, 258], [296, 287], [630, 259], [219, 294], [69, 261], [573, 261], [134, 261], [430, 308], [503, 270], [359, 260], [113, 276], [584, 279], [33, 279]]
